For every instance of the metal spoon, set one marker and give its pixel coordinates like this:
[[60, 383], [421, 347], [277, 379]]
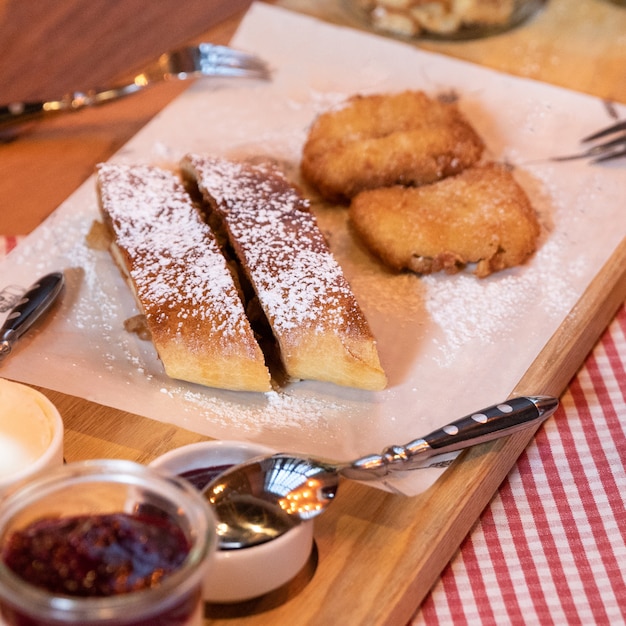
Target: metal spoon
[[263, 498]]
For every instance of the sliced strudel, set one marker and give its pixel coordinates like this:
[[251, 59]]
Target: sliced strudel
[[180, 279], [318, 325]]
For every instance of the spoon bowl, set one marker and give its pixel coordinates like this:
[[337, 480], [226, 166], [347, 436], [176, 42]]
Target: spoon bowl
[[266, 496]]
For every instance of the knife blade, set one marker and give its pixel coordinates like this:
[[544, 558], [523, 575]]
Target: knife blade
[[35, 302]]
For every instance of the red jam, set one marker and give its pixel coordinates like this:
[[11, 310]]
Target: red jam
[[202, 476], [96, 555]]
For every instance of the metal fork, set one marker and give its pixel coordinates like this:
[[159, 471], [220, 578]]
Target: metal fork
[[187, 63], [613, 148]]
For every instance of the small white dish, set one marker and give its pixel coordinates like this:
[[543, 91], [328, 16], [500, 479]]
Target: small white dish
[[242, 574], [31, 435]]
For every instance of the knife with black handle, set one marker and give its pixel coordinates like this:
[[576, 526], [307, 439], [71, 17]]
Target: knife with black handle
[[35, 302]]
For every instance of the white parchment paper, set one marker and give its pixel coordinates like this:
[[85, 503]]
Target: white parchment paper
[[450, 344]]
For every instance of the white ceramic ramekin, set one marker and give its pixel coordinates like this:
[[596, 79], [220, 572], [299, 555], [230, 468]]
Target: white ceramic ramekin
[[31, 435], [242, 574]]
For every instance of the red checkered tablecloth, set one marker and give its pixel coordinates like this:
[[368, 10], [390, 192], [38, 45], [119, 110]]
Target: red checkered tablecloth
[[551, 546], [7, 243]]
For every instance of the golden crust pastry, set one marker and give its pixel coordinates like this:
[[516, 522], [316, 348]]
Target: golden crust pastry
[[320, 330], [480, 216], [384, 140], [180, 279]]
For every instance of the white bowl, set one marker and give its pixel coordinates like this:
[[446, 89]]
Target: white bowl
[[31, 435], [242, 574]]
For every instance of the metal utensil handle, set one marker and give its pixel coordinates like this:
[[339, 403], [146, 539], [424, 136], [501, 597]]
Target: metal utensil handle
[[490, 423], [495, 421], [34, 303], [20, 112]]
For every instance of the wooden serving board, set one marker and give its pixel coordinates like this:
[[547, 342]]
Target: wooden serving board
[[377, 554]]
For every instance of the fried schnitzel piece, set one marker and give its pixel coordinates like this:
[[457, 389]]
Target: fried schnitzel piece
[[480, 216], [383, 140]]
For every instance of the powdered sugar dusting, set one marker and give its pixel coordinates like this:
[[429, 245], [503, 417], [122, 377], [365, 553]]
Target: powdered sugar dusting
[[298, 281], [272, 411], [466, 308], [178, 271], [482, 312]]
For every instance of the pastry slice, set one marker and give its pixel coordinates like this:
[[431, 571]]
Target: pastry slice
[[319, 328], [180, 279]]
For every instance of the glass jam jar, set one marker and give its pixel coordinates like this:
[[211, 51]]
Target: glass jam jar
[[104, 542], [443, 19]]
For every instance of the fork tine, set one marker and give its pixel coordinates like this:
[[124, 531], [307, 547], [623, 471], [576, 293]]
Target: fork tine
[[601, 148], [607, 151], [614, 128], [229, 60], [571, 157], [610, 156], [602, 152]]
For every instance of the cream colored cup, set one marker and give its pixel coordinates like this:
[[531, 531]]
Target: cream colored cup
[[31, 435]]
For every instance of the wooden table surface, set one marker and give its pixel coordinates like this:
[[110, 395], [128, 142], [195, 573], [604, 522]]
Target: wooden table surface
[[387, 550]]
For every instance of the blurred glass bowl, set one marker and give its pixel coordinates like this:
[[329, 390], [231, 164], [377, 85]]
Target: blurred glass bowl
[[443, 19]]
